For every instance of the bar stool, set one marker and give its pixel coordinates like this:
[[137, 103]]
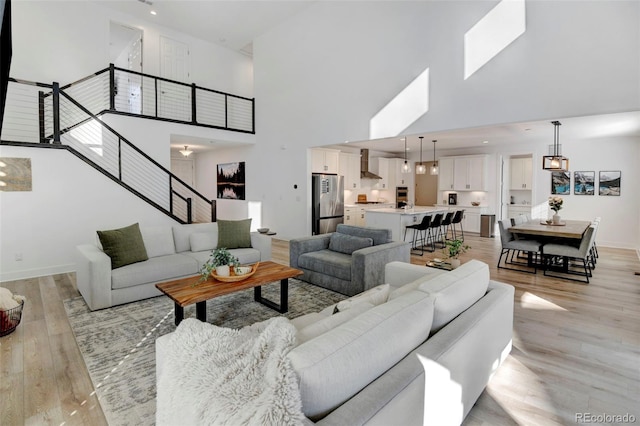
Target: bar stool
[[457, 220], [446, 225], [435, 230], [418, 228]]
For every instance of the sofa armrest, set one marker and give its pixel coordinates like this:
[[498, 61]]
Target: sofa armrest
[[93, 276], [299, 246], [262, 243], [368, 264]]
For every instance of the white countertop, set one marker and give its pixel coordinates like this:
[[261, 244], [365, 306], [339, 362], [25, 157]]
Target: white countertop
[[415, 210]]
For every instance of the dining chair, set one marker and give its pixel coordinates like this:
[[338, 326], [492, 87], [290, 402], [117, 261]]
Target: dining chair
[[511, 246], [568, 253], [457, 221], [419, 229], [594, 248]]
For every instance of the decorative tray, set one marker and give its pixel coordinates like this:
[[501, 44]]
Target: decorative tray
[[553, 224], [232, 278]]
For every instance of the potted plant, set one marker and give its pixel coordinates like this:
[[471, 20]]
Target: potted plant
[[221, 259], [453, 249]]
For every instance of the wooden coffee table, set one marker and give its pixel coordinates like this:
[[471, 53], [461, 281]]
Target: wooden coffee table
[[183, 292]]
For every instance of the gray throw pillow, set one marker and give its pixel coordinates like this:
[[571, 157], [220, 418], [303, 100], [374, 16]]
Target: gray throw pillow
[[347, 244], [124, 246], [234, 233]]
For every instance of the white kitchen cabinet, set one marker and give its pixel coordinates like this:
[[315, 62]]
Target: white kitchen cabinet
[[350, 215], [399, 178], [445, 174], [469, 173], [521, 173], [471, 221], [380, 166], [515, 210], [324, 160], [350, 168], [360, 219]]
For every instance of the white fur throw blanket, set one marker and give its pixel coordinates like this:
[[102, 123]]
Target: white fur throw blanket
[[222, 376]]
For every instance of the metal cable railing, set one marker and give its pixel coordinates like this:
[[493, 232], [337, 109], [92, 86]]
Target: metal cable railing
[[63, 120]]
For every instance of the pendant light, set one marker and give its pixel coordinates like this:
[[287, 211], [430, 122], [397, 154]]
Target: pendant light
[[186, 152], [421, 169], [406, 168], [555, 162], [434, 168]]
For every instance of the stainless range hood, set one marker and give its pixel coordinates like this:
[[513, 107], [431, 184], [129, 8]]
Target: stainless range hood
[[364, 166]]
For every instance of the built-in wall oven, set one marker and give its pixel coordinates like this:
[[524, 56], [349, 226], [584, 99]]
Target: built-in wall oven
[[402, 196]]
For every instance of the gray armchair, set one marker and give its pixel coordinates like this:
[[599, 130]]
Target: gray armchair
[[350, 260]]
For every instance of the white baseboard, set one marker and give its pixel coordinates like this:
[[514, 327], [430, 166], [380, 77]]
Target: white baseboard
[[38, 272]]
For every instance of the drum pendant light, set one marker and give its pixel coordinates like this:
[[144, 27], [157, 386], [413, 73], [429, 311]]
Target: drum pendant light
[[406, 168], [434, 169], [555, 162], [421, 169]]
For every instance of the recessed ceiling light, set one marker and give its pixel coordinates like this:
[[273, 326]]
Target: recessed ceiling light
[[153, 12], [485, 141]]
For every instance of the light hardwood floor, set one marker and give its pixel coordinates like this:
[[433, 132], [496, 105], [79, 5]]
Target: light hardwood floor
[[576, 349]]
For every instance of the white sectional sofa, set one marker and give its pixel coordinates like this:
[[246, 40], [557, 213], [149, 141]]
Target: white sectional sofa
[[174, 252], [417, 350]]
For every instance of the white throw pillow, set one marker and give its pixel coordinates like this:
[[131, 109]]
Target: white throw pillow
[[201, 241], [376, 296], [158, 241], [328, 323]]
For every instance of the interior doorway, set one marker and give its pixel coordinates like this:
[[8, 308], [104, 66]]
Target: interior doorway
[[174, 101], [426, 187], [125, 51]]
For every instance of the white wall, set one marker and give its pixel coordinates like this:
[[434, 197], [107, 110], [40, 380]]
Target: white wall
[[64, 41], [69, 202], [321, 76]]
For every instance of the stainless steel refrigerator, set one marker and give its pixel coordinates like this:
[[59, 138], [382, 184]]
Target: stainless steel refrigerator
[[327, 198]]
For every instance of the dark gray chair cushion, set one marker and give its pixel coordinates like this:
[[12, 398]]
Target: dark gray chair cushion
[[347, 244], [379, 236], [327, 262]]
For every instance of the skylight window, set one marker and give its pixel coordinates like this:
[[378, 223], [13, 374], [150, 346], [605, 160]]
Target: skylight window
[[495, 31]]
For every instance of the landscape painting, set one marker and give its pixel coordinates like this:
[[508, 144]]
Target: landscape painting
[[584, 183], [231, 181], [561, 183], [609, 183]]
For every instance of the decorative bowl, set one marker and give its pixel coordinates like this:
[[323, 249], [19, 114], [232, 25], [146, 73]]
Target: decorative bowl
[[475, 203], [263, 230], [242, 270], [549, 221]]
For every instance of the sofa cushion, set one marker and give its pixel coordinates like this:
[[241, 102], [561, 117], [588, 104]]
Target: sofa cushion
[[376, 296], [455, 291], [325, 324], [331, 367], [124, 245], [181, 234], [378, 235], [201, 241], [156, 269], [347, 244], [304, 320], [413, 285], [327, 262], [234, 233], [158, 240]]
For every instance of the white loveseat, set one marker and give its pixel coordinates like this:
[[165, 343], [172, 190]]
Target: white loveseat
[[418, 350], [174, 252]]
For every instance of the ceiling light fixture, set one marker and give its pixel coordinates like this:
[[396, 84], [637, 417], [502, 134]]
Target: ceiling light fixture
[[434, 168], [421, 169], [186, 152], [555, 162], [153, 12], [406, 168]]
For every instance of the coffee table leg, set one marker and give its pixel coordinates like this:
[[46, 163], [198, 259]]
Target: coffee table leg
[[201, 311], [284, 297], [179, 310]]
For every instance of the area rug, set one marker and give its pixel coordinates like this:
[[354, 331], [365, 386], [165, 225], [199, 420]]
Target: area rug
[[118, 343]]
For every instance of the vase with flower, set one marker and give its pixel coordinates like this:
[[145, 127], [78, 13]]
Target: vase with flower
[[555, 203]]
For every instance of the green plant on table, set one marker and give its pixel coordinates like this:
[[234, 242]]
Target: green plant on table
[[454, 248], [219, 257]]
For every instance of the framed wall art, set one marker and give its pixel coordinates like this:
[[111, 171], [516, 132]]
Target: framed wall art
[[231, 181], [609, 183], [561, 183], [584, 183], [15, 174]]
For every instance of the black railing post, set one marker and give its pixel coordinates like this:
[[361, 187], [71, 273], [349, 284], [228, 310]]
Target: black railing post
[[56, 112], [170, 195], [112, 87], [226, 111], [193, 103], [120, 159], [189, 219], [214, 213], [41, 116], [155, 90], [253, 115]]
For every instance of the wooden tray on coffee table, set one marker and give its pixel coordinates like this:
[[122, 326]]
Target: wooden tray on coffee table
[[233, 278]]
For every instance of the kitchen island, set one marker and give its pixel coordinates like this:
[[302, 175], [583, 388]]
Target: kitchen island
[[397, 219]]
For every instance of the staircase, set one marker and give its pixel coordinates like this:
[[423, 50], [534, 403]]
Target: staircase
[[69, 117]]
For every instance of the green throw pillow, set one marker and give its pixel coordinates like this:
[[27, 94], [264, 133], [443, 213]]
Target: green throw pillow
[[234, 233], [124, 246]]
